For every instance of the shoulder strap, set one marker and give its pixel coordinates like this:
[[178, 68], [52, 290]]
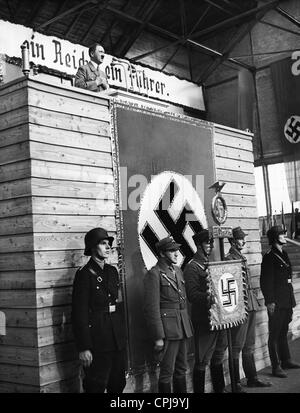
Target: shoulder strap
[[203, 268], [172, 284], [281, 259]]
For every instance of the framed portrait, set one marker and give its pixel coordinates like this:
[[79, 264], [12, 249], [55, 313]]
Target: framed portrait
[[219, 209], [227, 287]]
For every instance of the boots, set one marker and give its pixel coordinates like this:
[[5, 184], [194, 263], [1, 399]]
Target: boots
[[251, 374], [179, 384], [164, 387], [236, 365], [199, 381], [217, 378]]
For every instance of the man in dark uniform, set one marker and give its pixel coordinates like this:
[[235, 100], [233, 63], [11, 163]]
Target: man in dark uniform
[[210, 346], [276, 286], [243, 336], [167, 317], [90, 76], [98, 318]]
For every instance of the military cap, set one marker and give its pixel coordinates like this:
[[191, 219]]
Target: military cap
[[202, 236], [167, 244], [274, 232], [93, 237], [238, 233]]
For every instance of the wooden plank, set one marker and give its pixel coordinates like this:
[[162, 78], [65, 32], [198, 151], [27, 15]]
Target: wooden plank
[[19, 374], [245, 223], [58, 371], [60, 241], [7, 387], [60, 223], [77, 174], [66, 104], [17, 280], [242, 212], [15, 207], [56, 353], [18, 336], [234, 153], [14, 118], [69, 92], [234, 176], [68, 122], [54, 334], [7, 88], [228, 131], [238, 199], [15, 189], [18, 299], [14, 153], [239, 189], [16, 261], [233, 141], [233, 165], [72, 139], [56, 314], [71, 385], [63, 259], [15, 171], [64, 154], [70, 206], [16, 243], [20, 317], [16, 225], [21, 356], [14, 135], [53, 297], [13, 100], [50, 278]]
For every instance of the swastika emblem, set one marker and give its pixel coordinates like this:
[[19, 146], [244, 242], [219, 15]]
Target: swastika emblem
[[228, 292], [292, 129], [170, 206]]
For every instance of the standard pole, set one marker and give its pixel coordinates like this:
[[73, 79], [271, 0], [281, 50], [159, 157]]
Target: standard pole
[[228, 330]]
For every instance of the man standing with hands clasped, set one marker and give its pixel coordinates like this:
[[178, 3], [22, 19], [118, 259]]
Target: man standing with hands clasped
[[98, 318], [243, 335], [167, 318], [276, 286], [90, 76]]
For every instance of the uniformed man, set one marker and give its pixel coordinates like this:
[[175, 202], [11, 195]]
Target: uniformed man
[[243, 336], [98, 318], [210, 346], [167, 317], [276, 286]]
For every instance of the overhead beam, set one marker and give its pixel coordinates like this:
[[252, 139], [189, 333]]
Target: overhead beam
[[217, 6], [229, 22], [145, 13], [66, 13], [237, 39], [33, 13], [233, 5], [111, 26], [180, 40], [287, 16], [276, 26]]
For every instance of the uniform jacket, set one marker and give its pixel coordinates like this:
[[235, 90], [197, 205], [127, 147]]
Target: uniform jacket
[[86, 78], [252, 301], [195, 275], [165, 308], [276, 279], [95, 329]]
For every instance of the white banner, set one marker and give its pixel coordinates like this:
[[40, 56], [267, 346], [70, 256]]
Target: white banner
[[66, 57]]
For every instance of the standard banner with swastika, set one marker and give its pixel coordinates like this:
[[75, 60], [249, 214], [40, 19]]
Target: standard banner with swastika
[[226, 285], [286, 81]]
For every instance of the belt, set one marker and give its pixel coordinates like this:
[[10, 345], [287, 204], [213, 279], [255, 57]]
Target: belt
[[172, 306]]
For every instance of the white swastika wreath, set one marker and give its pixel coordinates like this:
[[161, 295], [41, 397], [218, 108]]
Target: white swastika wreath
[[226, 285]]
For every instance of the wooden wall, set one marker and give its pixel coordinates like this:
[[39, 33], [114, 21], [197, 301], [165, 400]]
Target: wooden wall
[[57, 183]]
